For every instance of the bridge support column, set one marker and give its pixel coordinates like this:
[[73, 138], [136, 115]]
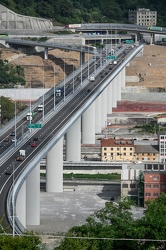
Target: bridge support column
[[88, 125], [54, 169], [104, 108], [98, 114], [114, 97], [73, 142], [109, 99], [33, 197], [151, 39], [46, 53], [82, 58], [136, 37], [119, 87], [123, 75], [21, 205]]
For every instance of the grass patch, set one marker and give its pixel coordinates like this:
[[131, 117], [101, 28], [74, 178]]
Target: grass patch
[[98, 176], [93, 176]]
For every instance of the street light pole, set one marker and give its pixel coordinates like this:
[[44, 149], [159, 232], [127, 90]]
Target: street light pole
[[73, 78], [64, 80], [43, 92], [54, 87], [13, 205], [15, 125]]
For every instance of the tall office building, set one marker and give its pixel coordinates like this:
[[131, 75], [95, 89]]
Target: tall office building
[[143, 17]]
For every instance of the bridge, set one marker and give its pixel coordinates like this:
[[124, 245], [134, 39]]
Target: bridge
[[84, 102]]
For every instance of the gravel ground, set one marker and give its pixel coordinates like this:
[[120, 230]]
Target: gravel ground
[[144, 97]]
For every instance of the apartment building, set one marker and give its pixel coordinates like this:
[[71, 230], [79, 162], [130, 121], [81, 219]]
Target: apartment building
[[143, 16], [117, 150]]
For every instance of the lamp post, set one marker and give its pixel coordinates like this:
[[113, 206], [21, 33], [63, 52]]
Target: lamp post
[[81, 63], [64, 83], [43, 92], [54, 87], [73, 78], [13, 206], [15, 119]]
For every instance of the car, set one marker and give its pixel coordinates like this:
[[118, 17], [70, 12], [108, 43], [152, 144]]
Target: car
[[8, 172], [106, 73], [102, 76], [112, 198], [6, 139], [33, 144], [14, 139], [36, 138], [89, 90], [12, 133]]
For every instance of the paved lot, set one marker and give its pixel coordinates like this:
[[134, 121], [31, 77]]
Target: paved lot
[[61, 211]]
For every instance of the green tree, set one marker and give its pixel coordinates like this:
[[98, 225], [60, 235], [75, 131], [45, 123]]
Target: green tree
[[116, 221], [28, 241], [7, 109]]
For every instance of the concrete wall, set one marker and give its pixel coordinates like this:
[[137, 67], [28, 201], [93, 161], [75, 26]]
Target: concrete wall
[[23, 93], [9, 20]]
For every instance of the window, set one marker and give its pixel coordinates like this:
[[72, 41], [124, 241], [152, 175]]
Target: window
[[148, 186], [132, 186], [112, 154], [161, 167], [124, 154], [105, 153], [163, 186], [105, 148], [118, 149], [155, 194], [131, 149], [147, 194], [124, 185], [112, 148], [130, 154], [124, 149], [155, 178], [155, 186]]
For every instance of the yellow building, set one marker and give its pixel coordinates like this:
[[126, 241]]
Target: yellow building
[[117, 150]]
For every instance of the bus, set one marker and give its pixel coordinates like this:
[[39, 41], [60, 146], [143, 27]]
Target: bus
[[30, 116]]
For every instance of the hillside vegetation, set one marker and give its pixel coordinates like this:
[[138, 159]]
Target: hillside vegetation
[[78, 11]]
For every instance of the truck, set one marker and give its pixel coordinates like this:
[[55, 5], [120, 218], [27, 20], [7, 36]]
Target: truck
[[59, 92], [30, 116], [114, 62], [21, 156], [40, 108], [92, 78]]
